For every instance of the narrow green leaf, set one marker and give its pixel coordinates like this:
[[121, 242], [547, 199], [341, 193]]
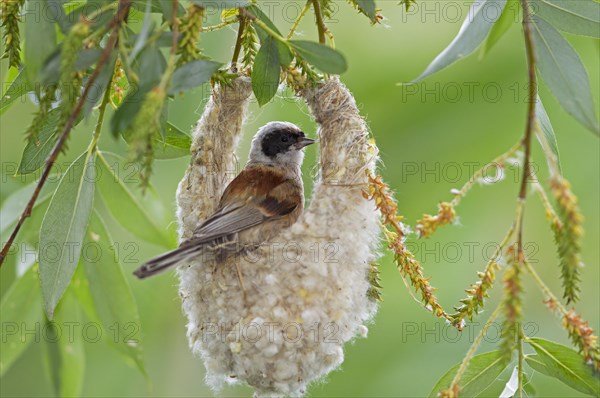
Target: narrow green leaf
[[564, 364], [112, 295], [510, 17], [14, 204], [164, 39], [63, 227], [155, 6], [221, 4], [367, 7], [175, 145], [50, 74], [80, 288], [142, 37], [167, 9], [149, 66], [285, 54], [125, 208], [37, 150], [580, 17], [322, 57], [564, 73], [40, 38], [20, 310], [129, 173], [511, 388], [530, 391], [59, 15], [66, 21], [537, 364], [482, 370], [163, 119], [129, 108], [65, 356], [548, 138], [192, 75], [266, 70], [15, 89], [480, 19], [100, 85], [29, 235]]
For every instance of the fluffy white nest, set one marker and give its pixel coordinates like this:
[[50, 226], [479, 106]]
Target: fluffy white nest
[[306, 290]]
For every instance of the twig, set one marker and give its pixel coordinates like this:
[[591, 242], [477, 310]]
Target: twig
[[175, 29], [171, 63], [550, 212], [487, 276], [131, 75], [300, 17], [479, 173], [238, 42], [465, 362], [331, 38], [319, 17], [101, 112], [544, 288], [520, 361], [123, 11], [245, 13], [218, 26], [531, 62]]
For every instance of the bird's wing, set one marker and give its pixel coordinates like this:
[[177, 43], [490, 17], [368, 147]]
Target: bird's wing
[[251, 199]]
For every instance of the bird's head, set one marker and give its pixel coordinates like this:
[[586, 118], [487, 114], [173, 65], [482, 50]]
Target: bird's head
[[279, 143]]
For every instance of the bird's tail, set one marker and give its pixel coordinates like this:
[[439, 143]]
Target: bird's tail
[[167, 260]]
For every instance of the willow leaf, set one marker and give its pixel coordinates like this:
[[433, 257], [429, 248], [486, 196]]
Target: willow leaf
[[62, 229]]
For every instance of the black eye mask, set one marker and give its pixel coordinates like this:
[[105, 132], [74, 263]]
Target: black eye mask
[[278, 142]]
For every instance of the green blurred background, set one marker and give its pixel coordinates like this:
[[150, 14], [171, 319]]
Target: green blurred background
[[430, 135]]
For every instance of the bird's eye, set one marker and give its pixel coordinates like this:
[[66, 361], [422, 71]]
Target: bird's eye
[[284, 138]]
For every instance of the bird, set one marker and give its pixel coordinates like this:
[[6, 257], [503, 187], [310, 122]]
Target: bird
[[266, 197]]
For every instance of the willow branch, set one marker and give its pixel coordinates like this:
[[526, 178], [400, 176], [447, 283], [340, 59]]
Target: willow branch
[[217, 27], [320, 24], [300, 17], [544, 288], [238, 42], [498, 161], [520, 362], [531, 62], [115, 24], [174, 28]]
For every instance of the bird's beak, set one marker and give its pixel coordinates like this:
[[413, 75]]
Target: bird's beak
[[304, 142]]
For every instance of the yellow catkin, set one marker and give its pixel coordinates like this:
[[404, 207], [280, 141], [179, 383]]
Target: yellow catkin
[[427, 225], [9, 20], [568, 235], [190, 27], [406, 262]]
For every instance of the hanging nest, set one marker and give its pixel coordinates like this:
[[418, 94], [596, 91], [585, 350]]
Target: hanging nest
[[307, 292]]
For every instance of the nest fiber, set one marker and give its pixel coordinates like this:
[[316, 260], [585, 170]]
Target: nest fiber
[[306, 290]]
